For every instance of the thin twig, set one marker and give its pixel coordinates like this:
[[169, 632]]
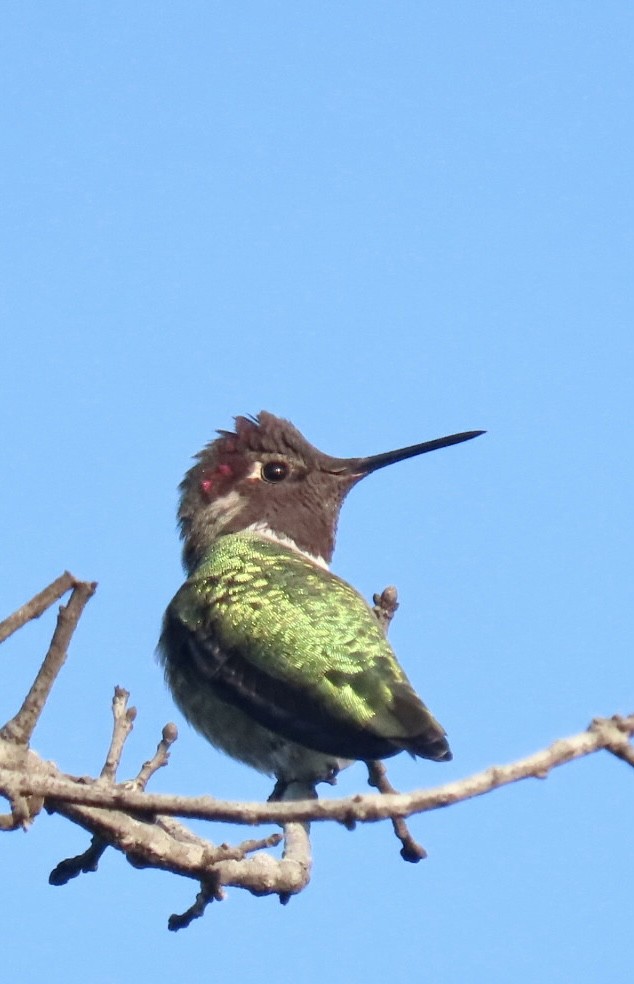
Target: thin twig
[[385, 607], [250, 846], [20, 728], [411, 850], [209, 892], [37, 605], [123, 717], [158, 760], [81, 865]]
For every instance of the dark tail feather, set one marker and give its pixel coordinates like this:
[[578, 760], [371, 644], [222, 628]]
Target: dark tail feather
[[428, 739], [431, 745]]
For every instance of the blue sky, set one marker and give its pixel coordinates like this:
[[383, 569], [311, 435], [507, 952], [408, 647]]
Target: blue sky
[[386, 222]]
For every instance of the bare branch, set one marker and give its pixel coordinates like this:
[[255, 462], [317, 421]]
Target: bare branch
[[80, 865], [385, 606], [158, 760], [24, 809], [208, 892], [123, 724], [211, 889], [411, 850], [20, 728], [605, 733], [88, 861], [142, 825], [626, 754], [620, 746], [161, 844], [37, 605], [298, 856], [8, 822]]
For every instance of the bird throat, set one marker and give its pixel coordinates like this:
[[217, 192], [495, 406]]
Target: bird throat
[[263, 529]]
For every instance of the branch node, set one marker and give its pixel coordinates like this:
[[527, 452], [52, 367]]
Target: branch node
[[616, 732], [81, 864], [123, 722], [210, 891], [411, 850], [385, 606], [7, 822], [37, 605], [20, 728], [159, 759]]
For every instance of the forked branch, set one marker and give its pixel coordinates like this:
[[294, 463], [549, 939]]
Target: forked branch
[[143, 826]]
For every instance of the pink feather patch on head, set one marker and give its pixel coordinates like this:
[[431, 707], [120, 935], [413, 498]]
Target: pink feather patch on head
[[206, 486]]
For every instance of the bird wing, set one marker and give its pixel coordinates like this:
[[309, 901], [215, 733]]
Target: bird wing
[[298, 650]]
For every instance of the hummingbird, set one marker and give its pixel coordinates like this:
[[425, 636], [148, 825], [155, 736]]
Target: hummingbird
[[274, 659]]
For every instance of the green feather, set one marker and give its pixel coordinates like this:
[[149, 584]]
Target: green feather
[[299, 648]]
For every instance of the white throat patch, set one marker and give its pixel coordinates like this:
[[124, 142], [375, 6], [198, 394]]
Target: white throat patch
[[226, 507], [265, 530]]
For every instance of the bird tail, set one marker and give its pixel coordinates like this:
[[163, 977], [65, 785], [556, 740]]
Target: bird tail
[[431, 743]]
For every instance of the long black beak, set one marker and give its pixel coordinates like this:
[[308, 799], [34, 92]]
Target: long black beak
[[364, 466]]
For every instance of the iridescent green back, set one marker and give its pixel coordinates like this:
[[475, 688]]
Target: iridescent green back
[[300, 649]]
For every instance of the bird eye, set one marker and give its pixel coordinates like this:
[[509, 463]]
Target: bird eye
[[275, 471]]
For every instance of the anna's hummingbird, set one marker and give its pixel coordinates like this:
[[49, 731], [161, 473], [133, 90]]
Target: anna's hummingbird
[[274, 659]]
